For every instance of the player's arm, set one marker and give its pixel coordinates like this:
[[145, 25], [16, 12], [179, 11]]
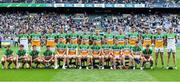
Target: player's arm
[[52, 57], [176, 39], [165, 40]]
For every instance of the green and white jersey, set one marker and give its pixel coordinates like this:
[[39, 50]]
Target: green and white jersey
[[62, 35], [50, 36], [61, 46], [108, 36], [97, 37], [117, 47], [106, 47], [35, 36], [23, 36], [72, 46], [73, 35], [171, 39], [83, 47], [85, 36]]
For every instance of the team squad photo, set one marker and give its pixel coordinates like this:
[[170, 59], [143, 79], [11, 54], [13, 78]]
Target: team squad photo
[[93, 50]]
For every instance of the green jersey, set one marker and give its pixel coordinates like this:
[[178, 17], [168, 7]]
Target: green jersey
[[136, 49], [8, 52], [159, 36], [171, 35], [133, 35], [85, 37], [147, 36], [117, 47], [108, 36], [83, 47], [73, 35], [129, 47], [120, 37], [61, 46], [34, 53], [147, 52], [50, 36], [95, 47], [21, 52], [105, 46], [23, 36], [96, 37], [62, 35], [48, 53], [72, 46], [35, 36]]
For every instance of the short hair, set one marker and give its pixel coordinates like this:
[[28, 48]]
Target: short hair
[[47, 46], [21, 45], [34, 46], [8, 46], [147, 45]]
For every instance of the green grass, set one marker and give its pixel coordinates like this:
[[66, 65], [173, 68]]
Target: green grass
[[156, 74]]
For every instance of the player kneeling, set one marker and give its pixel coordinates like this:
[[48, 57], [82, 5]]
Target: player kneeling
[[22, 57], [8, 58], [107, 55], [117, 55], [60, 55], [34, 55], [84, 55], [137, 54], [127, 53], [48, 58], [72, 53], [96, 54], [147, 57]]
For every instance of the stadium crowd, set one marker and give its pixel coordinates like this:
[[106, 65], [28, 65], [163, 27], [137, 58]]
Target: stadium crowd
[[91, 1], [12, 23]]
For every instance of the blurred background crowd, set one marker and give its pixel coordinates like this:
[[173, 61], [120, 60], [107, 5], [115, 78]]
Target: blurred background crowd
[[12, 23], [91, 1]]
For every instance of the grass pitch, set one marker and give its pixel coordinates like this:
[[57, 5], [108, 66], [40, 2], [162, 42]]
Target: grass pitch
[[157, 74]]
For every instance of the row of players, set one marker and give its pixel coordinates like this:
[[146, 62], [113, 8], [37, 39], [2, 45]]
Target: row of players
[[113, 54], [73, 39]]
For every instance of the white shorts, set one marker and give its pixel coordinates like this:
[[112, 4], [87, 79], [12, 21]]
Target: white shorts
[[52, 49], [25, 44], [72, 56], [159, 49], [117, 57], [171, 48]]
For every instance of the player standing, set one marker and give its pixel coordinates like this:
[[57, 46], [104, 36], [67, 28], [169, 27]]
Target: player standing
[[73, 36], [62, 36], [133, 36], [36, 40], [23, 37], [120, 38], [109, 37], [97, 38], [159, 40], [147, 38], [171, 46], [50, 40]]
